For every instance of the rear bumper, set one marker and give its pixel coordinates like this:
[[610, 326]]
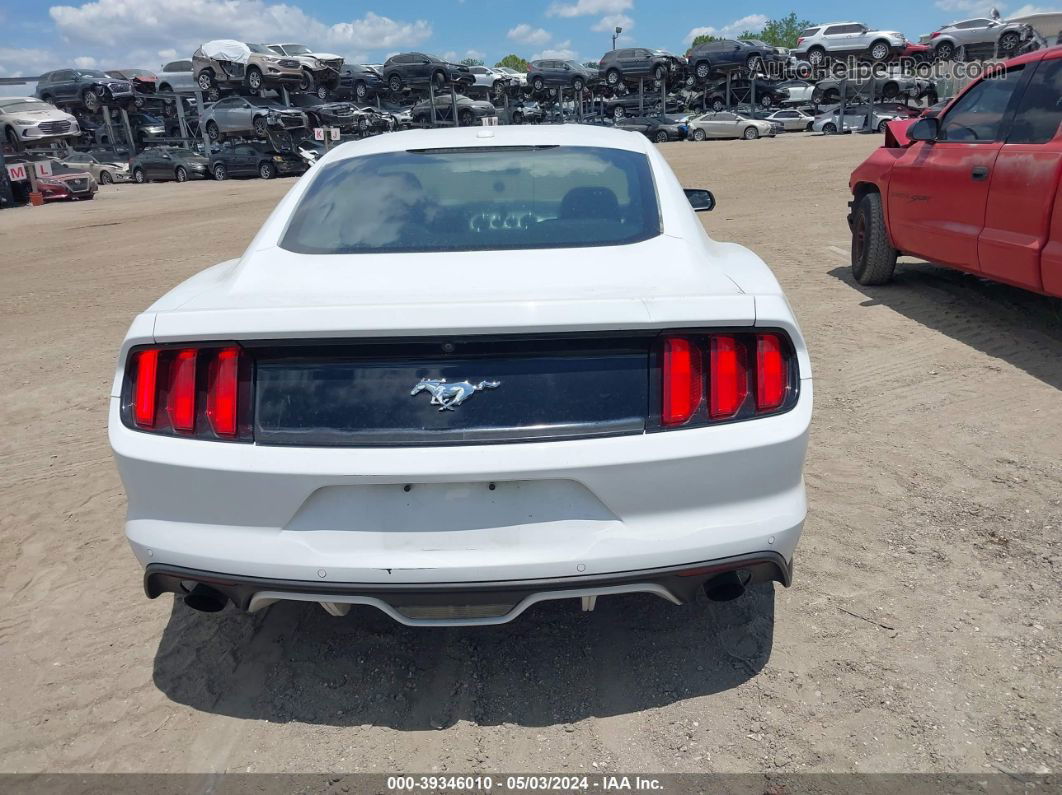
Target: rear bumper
[[466, 514], [452, 604]]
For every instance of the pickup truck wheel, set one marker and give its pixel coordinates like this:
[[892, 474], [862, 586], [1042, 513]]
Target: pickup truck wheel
[[873, 259]]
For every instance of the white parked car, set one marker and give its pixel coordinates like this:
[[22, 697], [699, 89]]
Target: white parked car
[[725, 124], [491, 79], [841, 39], [28, 120], [792, 120], [519, 78], [439, 383]]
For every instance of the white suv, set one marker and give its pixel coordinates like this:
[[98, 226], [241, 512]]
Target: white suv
[[840, 39]]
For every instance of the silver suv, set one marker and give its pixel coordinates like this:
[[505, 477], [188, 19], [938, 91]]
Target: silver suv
[[320, 70], [841, 39], [977, 34]]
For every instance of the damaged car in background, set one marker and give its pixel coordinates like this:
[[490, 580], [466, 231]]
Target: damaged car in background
[[249, 115]]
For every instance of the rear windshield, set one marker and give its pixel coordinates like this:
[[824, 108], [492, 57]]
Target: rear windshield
[[475, 199]]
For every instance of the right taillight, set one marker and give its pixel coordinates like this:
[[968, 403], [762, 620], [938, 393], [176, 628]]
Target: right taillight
[[744, 376], [201, 392]]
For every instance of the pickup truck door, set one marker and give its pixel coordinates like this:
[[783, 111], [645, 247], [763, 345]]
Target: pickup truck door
[[938, 191], [1024, 183]]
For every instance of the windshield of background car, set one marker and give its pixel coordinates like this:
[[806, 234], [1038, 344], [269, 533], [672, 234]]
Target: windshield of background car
[[92, 73], [476, 199], [261, 49], [297, 49]]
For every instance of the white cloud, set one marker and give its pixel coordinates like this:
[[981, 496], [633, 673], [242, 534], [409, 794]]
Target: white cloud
[[609, 23], [562, 51], [582, 8], [752, 22], [27, 62], [85, 62], [983, 8], [141, 29], [454, 57], [526, 34]]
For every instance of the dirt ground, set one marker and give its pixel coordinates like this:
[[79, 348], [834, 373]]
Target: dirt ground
[[922, 632]]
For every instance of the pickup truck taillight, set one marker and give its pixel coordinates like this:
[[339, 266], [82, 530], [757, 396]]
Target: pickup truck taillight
[[201, 392], [723, 377]]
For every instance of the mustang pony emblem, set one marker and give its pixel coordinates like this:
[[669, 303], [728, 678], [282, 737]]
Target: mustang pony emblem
[[448, 396]]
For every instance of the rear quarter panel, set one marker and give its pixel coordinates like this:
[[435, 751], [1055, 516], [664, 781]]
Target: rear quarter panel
[[1051, 267]]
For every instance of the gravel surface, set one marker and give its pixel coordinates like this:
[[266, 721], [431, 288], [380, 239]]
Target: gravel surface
[[922, 632]]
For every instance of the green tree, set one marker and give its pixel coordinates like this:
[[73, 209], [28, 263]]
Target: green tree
[[513, 62], [472, 62], [784, 32], [704, 38]]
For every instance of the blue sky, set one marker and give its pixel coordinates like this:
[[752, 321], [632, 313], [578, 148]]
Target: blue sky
[[37, 35]]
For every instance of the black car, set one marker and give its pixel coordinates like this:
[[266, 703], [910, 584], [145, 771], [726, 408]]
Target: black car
[[635, 63], [322, 113], [660, 129], [232, 159], [559, 74], [359, 82], [418, 69], [728, 54], [89, 88], [630, 105], [767, 94], [469, 111], [168, 164]]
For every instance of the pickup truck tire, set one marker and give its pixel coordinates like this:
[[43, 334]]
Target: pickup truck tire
[[873, 258]]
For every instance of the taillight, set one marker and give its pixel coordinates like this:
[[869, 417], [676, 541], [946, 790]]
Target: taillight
[[204, 392], [146, 369], [728, 376], [683, 380], [772, 372], [709, 377], [934, 35], [800, 41], [181, 399], [222, 391]]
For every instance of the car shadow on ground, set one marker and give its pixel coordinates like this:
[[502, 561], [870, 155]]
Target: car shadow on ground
[[553, 665], [1014, 325]]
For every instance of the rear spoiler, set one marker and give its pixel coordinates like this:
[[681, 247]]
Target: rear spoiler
[[896, 133]]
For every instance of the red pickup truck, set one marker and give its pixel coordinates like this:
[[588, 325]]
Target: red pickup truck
[[975, 188]]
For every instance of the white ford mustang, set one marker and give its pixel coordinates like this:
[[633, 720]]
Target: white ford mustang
[[459, 372]]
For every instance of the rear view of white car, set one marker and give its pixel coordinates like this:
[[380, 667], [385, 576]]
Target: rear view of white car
[[459, 372]]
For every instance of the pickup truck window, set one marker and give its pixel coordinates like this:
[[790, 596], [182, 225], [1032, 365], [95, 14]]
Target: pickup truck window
[[978, 115], [1040, 111]]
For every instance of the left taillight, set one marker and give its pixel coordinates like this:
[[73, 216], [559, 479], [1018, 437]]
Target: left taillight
[[712, 377], [198, 392]]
